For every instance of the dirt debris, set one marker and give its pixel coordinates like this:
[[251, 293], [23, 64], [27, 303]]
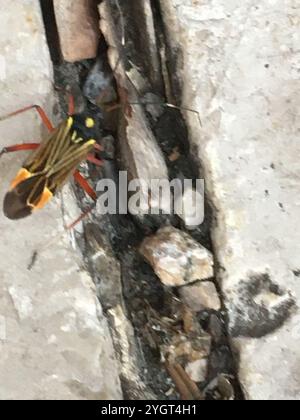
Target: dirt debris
[[201, 296]]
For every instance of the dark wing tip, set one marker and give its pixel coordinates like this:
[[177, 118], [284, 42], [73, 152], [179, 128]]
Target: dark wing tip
[[14, 207]]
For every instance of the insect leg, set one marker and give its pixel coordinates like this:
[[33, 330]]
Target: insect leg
[[83, 183], [19, 147], [91, 158], [89, 190], [39, 110], [80, 218], [98, 147], [113, 107], [71, 104], [54, 240], [70, 96]]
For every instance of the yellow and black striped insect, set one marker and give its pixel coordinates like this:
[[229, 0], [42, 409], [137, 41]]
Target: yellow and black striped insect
[[51, 163]]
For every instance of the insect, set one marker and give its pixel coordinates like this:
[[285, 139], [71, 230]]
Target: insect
[[52, 162]]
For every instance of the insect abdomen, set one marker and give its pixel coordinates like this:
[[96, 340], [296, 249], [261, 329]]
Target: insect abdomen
[[28, 193]]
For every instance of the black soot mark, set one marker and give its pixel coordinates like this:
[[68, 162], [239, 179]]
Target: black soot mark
[[260, 307]]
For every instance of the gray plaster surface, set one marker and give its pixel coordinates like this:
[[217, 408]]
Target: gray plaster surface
[[54, 340], [239, 67]]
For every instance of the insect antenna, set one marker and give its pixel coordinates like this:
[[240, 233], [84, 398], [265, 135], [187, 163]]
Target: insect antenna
[[121, 45]]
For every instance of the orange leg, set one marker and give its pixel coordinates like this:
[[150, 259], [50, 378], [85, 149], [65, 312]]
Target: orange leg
[[19, 147], [71, 101], [98, 147], [91, 158], [80, 218], [39, 110], [113, 107], [83, 183], [71, 104]]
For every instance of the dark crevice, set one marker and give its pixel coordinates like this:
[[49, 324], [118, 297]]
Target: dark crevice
[[143, 293], [51, 30], [173, 58]]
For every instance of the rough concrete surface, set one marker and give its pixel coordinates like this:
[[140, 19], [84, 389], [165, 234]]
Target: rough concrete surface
[[54, 341], [239, 67]]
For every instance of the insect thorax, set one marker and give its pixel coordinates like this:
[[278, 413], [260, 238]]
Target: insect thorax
[[82, 128]]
